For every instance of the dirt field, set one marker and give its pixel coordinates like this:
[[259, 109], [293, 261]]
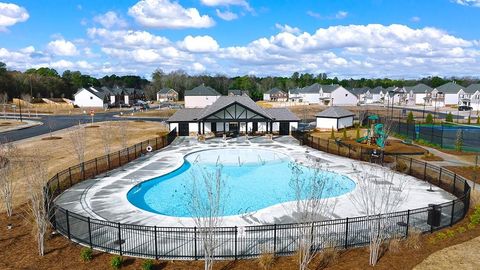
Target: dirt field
[[59, 154]]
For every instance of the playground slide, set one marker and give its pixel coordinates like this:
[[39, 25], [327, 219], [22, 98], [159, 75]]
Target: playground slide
[[362, 139], [381, 139]]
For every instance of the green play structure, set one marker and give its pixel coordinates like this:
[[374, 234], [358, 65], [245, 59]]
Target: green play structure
[[375, 133]]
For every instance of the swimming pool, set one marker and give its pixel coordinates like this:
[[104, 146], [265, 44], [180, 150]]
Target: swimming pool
[[254, 179]]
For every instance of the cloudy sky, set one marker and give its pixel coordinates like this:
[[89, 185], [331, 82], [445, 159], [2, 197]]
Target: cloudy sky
[[348, 38]]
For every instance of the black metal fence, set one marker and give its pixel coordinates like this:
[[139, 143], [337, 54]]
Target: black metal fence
[[250, 241]]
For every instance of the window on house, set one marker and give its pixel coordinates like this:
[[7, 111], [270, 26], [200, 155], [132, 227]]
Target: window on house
[[91, 97], [346, 95]]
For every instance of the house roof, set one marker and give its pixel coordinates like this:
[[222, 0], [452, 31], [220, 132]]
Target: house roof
[[359, 91], [450, 88], [165, 90], [195, 114], [282, 114], [419, 88], [334, 112], [185, 115], [237, 92], [328, 88], [377, 90], [473, 88], [96, 92], [275, 90], [202, 90], [225, 101], [294, 90]]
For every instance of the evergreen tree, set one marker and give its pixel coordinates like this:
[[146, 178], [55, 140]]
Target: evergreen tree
[[410, 118], [429, 119], [357, 136], [332, 134], [449, 117], [459, 140]]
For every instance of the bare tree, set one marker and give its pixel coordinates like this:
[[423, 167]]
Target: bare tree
[[39, 202], [207, 198], [28, 99], [310, 189], [123, 133], [4, 101], [78, 139], [7, 183], [379, 191], [50, 124], [107, 134]]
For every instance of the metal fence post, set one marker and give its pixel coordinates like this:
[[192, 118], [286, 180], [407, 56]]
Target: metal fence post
[[70, 175], [108, 163], [96, 166], [410, 170], [83, 170], [156, 143], [453, 211], [119, 159], [346, 234], [68, 224], [440, 176], [89, 232], [425, 172], [120, 239], [454, 183], [128, 154], [156, 245], [236, 241], [274, 239], [408, 223], [195, 241]]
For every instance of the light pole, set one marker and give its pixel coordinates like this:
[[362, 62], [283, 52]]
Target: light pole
[[435, 109]]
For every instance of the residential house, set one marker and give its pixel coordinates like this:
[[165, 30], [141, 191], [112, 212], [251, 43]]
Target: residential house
[[167, 94], [337, 95], [120, 96], [233, 115], [395, 95], [236, 92], [418, 94], [453, 93], [200, 97], [378, 94], [275, 94], [474, 91], [363, 94], [91, 97]]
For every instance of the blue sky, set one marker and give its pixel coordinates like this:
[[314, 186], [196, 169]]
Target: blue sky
[[351, 38]]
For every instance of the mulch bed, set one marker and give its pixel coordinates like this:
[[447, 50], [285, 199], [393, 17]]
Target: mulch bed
[[467, 172], [432, 158], [51, 138], [92, 126], [18, 251], [393, 146]]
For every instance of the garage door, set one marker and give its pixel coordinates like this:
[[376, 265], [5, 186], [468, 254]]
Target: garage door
[[284, 128], [183, 129]]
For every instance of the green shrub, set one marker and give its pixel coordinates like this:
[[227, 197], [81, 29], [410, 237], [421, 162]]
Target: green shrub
[[441, 236], [344, 133], [461, 229], [475, 217], [449, 117], [357, 135], [116, 262], [147, 264], [410, 118], [469, 120], [471, 226], [450, 233], [429, 119], [86, 254], [332, 134]]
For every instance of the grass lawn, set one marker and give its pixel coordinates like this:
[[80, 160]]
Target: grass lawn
[[58, 153]]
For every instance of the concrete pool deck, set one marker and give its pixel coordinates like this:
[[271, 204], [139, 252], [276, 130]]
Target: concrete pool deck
[[105, 197]]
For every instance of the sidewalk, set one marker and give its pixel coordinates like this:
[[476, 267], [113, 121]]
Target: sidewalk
[[27, 124]]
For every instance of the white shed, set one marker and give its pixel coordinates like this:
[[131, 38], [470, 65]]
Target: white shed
[[334, 117]]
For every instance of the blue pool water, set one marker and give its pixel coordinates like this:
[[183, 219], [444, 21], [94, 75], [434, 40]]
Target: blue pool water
[[254, 179]]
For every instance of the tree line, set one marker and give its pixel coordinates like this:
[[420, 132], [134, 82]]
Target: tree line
[[48, 83]]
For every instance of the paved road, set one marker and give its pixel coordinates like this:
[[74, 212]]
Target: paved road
[[58, 122]]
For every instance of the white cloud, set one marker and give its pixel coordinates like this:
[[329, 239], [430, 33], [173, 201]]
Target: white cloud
[[226, 15], [200, 44], [341, 14], [287, 28], [215, 3], [62, 64], [126, 38], [474, 3], [11, 14], [415, 19], [110, 19], [62, 47], [197, 67], [167, 14]]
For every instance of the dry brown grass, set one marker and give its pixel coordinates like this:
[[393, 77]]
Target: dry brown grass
[[327, 256], [59, 154], [266, 260], [153, 113], [395, 244], [474, 198], [413, 240]]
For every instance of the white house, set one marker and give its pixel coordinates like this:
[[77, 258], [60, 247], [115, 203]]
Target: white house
[[474, 91], [453, 93], [233, 115], [378, 94], [200, 97], [363, 94], [340, 96], [418, 94], [334, 117], [275, 94], [395, 95], [90, 97]]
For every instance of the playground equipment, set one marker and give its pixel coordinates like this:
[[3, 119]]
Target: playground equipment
[[375, 133]]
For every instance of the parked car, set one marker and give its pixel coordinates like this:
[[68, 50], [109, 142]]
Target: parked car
[[464, 108]]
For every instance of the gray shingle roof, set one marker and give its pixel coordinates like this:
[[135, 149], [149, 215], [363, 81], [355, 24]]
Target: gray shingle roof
[[184, 115], [419, 88], [359, 91], [450, 88], [225, 101], [165, 90], [377, 90], [314, 88], [275, 90], [195, 114], [282, 114], [237, 92], [329, 88], [294, 90], [202, 90], [334, 112], [471, 89]]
